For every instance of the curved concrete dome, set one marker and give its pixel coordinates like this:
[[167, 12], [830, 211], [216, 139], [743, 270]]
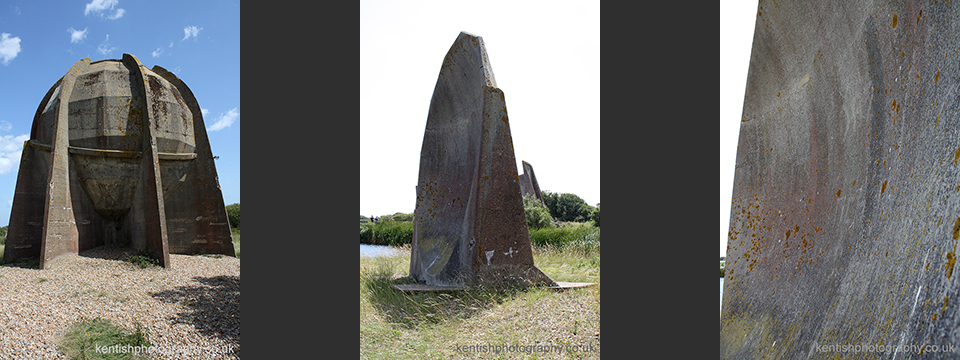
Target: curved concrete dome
[[118, 155], [104, 111]]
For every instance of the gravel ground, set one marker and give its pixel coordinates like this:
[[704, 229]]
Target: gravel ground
[[191, 310]]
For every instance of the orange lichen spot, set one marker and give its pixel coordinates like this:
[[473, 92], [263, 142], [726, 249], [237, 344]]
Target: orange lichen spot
[[935, 79], [894, 21], [838, 193], [883, 187], [956, 229], [918, 17]]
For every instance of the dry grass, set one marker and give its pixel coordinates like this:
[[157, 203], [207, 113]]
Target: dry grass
[[531, 324]]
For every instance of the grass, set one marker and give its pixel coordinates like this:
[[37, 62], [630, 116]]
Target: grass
[[83, 338], [583, 237], [236, 240], [537, 323]]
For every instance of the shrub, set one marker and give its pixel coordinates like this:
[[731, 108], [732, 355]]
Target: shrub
[[233, 215], [567, 207], [397, 217], [392, 233], [537, 214], [143, 260], [364, 219], [595, 216]]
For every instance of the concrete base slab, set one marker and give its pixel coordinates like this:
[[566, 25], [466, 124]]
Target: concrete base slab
[[561, 285]]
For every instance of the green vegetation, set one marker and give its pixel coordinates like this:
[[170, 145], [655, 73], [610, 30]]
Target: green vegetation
[[584, 237], [3, 238], [723, 264], [394, 324], [567, 207], [397, 217], [236, 241], [364, 219], [233, 215], [143, 260], [83, 338], [595, 216], [538, 216], [393, 233]]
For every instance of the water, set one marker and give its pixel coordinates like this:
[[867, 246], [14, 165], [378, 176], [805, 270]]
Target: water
[[377, 250], [721, 294]]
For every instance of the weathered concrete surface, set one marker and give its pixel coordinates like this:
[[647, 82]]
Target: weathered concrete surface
[[118, 154], [529, 184], [845, 213], [470, 227]]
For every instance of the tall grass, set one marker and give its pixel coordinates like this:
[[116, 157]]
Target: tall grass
[[393, 233], [236, 241], [399, 325], [585, 239]]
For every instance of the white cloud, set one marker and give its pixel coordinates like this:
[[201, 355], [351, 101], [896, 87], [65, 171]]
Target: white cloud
[[157, 52], [204, 112], [77, 35], [99, 7], [9, 47], [190, 31], [10, 149], [104, 47], [5, 125], [117, 15], [225, 120]]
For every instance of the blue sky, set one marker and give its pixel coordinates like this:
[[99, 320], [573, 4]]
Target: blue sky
[[197, 40], [545, 58]]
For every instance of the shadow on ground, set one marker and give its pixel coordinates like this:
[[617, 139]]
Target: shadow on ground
[[212, 306]]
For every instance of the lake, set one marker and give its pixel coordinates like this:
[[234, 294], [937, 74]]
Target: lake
[[721, 294], [377, 250]]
